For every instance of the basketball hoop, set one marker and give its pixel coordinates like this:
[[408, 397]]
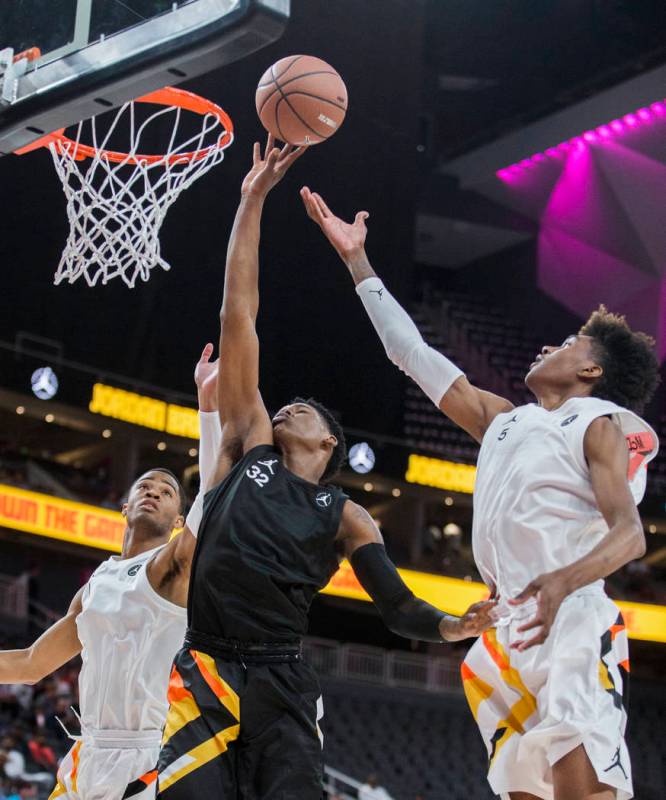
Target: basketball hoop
[[117, 201]]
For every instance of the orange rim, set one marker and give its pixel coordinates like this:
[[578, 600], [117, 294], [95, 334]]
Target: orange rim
[[169, 96]]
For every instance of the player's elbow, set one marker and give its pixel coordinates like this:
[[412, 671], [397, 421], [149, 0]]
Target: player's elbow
[[233, 315], [31, 673], [400, 346], [638, 543], [631, 538], [392, 612], [399, 626], [393, 620]]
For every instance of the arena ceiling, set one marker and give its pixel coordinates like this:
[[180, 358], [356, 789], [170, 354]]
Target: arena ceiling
[[428, 80]]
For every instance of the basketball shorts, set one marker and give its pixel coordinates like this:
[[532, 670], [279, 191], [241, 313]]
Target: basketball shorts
[[241, 730], [533, 708], [96, 768]]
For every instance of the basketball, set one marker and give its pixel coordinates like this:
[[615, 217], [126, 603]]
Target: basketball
[[301, 100], [197, 478]]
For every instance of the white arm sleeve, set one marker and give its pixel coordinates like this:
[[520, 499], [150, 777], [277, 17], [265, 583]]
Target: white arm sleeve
[[210, 439], [403, 343]]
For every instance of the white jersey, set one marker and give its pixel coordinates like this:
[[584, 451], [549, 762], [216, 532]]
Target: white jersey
[[129, 635], [534, 508]]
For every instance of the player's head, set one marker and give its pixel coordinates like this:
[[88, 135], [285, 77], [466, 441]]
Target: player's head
[[606, 359], [156, 499], [310, 425]]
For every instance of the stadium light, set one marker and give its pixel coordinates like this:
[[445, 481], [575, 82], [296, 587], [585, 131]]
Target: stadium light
[[611, 130]]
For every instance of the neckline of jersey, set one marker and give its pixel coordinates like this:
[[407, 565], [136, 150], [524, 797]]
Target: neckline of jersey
[[118, 560], [298, 478], [292, 474], [559, 408]]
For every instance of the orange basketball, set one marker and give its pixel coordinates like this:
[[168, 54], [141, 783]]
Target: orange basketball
[[301, 100]]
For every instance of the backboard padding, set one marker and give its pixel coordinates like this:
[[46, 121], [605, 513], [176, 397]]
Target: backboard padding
[[79, 79]]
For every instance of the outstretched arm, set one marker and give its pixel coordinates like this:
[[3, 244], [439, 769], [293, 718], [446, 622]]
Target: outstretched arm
[[607, 456], [402, 612], [169, 569], [471, 408], [245, 422], [54, 648]]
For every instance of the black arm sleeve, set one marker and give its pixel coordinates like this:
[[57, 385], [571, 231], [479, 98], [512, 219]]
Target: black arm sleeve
[[401, 611]]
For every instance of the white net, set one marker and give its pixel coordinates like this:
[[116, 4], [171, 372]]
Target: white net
[[116, 208]]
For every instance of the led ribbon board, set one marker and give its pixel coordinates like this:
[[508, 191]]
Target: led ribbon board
[[148, 412], [54, 518], [447, 475], [454, 596]]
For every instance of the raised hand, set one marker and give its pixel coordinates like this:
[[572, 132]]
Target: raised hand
[[348, 239], [205, 377], [269, 169], [478, 618]]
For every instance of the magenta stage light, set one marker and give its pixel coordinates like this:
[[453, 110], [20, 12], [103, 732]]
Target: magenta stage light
[[646, 115]]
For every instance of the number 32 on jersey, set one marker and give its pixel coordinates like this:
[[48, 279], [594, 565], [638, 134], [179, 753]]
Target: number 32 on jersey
[[258, 475]]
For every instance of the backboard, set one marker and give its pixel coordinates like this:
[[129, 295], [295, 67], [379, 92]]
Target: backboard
[[93, 55]]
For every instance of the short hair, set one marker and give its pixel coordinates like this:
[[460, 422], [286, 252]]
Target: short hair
[[339, 453], [181, 492], [630, 366]]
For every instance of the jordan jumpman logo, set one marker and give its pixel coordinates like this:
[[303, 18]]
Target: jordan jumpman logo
[[616, 763]]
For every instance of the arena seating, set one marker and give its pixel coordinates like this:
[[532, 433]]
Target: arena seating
[[428, 743], [51, 477], [495, 352], [415, 741]]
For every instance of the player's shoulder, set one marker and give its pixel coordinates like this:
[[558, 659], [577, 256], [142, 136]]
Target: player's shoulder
[[594, 405], [582, 412], [242, 463], [603, 433], [101, 569], [575, 415], [260, 451]]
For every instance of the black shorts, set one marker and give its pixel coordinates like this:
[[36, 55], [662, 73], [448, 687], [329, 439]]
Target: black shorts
[[241, 731]]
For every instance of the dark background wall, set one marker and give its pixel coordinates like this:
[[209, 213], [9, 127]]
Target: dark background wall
[[315, 338]]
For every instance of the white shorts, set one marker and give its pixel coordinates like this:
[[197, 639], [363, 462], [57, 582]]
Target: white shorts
[[533, 708], [97, 770]]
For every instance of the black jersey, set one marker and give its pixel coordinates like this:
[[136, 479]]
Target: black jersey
[[266, 545]]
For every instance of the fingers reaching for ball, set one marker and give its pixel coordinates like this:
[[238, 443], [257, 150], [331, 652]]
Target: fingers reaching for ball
[[268, 170], [313, 208], [347, 239]]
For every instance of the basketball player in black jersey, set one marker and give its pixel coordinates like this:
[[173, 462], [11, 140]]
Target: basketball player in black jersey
[[244, 708]]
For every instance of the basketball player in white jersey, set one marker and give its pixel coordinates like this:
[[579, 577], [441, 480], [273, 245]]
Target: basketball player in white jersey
[[127, 623], [554, 514]]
